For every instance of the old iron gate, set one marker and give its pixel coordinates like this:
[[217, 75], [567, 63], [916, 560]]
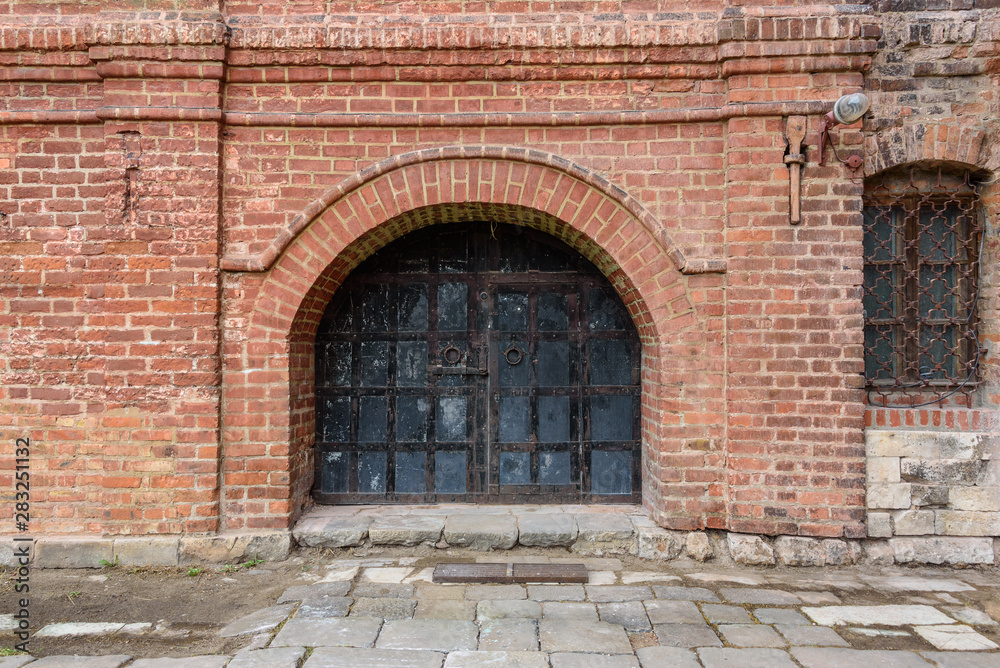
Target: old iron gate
[[480, 363]]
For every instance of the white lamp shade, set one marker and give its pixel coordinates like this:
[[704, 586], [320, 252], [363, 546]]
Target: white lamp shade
[[850, 108]]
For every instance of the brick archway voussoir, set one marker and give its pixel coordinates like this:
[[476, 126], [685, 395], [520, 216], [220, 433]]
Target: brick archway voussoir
[[353, 224], [928, 142], [513, 158]]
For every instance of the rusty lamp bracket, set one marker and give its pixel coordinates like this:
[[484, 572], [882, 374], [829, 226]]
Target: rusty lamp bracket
[[795, 132], [853, 161], [847, 110]]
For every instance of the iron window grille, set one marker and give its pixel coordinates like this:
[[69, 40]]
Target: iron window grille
[[923, 234]]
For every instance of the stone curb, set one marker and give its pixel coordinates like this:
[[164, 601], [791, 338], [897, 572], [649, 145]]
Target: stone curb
[[154, 550], [646, 541], [638, 535]]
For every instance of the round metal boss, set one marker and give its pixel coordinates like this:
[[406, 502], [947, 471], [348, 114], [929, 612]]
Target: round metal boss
[[451, 355], [513, 356]]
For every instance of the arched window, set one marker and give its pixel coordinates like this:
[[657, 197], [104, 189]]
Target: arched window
[[923, 233]]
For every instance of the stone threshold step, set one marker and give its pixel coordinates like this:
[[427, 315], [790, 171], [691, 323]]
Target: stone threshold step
[[598, 532]]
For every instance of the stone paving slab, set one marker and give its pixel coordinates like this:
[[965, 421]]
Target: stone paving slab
[[666, 657], [556, 592], [751, 635], [956, 637], [385, 575], [271, 657], [441, 635], [186, 662], [346, 632], [67, 661], [725, 614], [743, 578], [340, 574], [495, 592], [686, 635], [911, 583], [602, 578], [805, 636], [593, 563], [713, 657], [779, 616], [441, 591], [970, 615], [613, 593], [497, 660], [817, 597], [504, 609], [835, 657], [313, 591], [759, 596], [566, 636], [581, 660], [878, 633], [384, 608], [349, 657], [877, 615], [673, 612], [323, 609], [382, 590], [66, 629], [445, 609], [570, 610], [260, 621], [685, 594], [628, 614], [962, 660], [15, 661], [638, 577], [508, 635], [420, 576], [822, 580]]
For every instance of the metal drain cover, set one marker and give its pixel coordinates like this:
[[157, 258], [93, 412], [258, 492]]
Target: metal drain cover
[[510, 573]]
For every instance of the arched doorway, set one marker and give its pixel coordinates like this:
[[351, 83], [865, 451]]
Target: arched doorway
[[477, 362]]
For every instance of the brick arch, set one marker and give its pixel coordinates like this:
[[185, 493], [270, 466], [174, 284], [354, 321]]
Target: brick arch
[[681, 469], [264, 260], [928, 143]]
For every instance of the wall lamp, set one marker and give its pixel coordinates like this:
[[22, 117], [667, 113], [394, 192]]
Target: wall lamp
[[847, 110]]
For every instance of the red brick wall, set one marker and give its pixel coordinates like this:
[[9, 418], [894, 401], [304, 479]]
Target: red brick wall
[[795, 404], [165, 258]]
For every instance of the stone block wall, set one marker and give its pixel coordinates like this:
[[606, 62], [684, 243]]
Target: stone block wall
[[932, 483]]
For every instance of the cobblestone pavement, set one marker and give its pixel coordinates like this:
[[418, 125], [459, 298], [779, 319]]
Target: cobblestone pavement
[[387, 612]]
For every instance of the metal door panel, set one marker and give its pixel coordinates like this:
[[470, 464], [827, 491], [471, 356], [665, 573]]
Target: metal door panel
[[477, 363]]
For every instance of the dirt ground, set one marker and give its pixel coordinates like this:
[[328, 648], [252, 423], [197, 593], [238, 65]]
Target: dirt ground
[[187, 608]]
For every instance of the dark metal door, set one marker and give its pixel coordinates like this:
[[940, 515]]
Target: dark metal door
[[477, 363]]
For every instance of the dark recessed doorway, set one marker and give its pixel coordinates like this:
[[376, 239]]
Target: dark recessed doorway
[[479, 363]]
